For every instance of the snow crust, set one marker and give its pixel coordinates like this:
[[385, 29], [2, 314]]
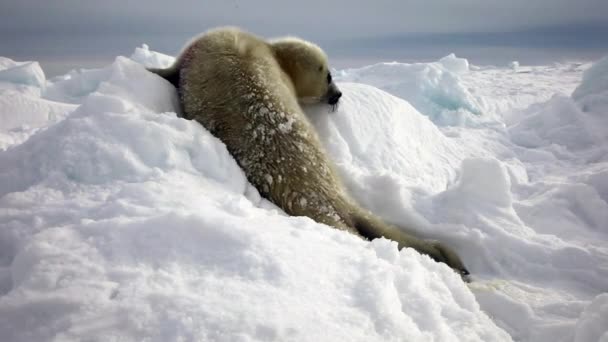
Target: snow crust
[[121, 221]]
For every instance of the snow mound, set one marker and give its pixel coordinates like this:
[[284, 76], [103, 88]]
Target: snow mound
[[406, 145], [22, 114], [434, 89], [115, 79], [483, 181], [573, 125], [124, 221], [558, 123]]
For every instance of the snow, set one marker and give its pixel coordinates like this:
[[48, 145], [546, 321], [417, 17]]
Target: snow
[[121, 221], [593, 322]]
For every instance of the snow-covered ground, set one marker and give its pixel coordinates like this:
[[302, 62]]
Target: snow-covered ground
[[120, 221]]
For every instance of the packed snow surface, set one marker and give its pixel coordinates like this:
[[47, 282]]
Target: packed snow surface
[[121, 221]]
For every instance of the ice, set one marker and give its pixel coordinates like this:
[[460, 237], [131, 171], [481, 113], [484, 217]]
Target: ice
[[119, 220], [455, 64], [595, 81], [23, 110], [28, 73], [435, 89], [514, 65]]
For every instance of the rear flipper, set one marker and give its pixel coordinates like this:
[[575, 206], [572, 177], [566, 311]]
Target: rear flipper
[[171, 74], [371, 228]]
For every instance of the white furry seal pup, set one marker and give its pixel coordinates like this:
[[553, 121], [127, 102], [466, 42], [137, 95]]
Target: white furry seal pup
[[247, 92]]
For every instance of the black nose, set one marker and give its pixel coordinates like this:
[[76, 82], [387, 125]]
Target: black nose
[[333, 99]]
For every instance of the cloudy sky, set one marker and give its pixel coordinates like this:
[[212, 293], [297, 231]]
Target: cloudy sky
[[60, 33]]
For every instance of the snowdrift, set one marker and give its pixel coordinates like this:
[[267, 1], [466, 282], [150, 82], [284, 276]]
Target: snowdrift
[[121, 221]]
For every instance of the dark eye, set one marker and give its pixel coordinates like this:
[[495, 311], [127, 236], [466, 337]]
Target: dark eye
[[328, 78]]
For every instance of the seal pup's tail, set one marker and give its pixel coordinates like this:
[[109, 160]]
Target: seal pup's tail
[[171, 74]]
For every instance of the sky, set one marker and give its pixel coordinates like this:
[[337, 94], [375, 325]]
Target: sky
[[69, 33]]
